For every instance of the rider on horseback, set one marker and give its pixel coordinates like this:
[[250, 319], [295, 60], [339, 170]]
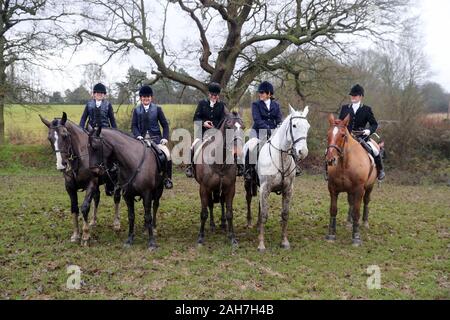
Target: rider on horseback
[[101, 114], [210, 113], [360, 115], [266, 114], [145, 124]]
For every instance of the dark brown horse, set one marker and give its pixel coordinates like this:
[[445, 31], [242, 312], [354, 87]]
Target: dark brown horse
[[69, 143], [216, 173], [350, 170], [139, 175]]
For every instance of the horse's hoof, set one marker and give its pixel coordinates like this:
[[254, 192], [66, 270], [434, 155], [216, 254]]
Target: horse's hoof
[[356, 242], [200, 242], [128, 243], [75, 238], [152, 246], [261, 248], [154, 231], [366, 224], [285, 245], [116, 226], [330, 238]]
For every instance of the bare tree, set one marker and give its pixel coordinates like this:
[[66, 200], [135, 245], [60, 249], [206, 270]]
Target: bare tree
[[27, 30], [93, 73], [239, 39]]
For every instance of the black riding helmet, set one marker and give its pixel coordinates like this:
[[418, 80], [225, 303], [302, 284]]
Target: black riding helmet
[[100, 88], [214, 87], [266, 86], [357, 90], [146, 91]]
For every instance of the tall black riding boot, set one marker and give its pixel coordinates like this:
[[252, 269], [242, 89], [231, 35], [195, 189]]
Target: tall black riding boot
[[380, 169], [190, 168], [168, 184]]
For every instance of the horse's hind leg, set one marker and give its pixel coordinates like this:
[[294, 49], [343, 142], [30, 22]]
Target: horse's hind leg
[[248, 197], [356, 238], [130, 205], [75, 211], [285, 217], [96, 197], [350, 210], [90, 191], [333, 212], [223, 219], [263, 214], [229, 203], [212, 224], [116, 224], [204, 197], [155, 210], [147, 200], [366, 208]]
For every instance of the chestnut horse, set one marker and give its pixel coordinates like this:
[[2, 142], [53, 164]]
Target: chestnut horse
[[351, 170]]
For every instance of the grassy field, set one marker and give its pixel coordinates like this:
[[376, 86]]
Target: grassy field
[[24, 126], [408, 240]]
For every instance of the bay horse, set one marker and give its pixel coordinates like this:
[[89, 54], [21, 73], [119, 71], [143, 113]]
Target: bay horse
[[139, 175], [69, 143], [276, 168], [351, 170], [216, 174]]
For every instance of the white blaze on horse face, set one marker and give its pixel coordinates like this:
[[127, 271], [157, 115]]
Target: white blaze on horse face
[[335, 131], [59, 165]]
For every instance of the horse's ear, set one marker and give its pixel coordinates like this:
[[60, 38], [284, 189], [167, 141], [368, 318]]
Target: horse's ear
[[331, 119], [45, 121], [291, 110], [64, 118], [346, 120], [305, 111], [98, 131]]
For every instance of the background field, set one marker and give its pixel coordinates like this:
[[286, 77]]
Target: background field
[[408, 240]]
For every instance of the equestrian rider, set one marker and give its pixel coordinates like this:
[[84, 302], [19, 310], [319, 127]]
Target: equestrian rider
[[99, 113], [266, 114], [145, 125], [360, 115], [209, 114], [98, 110]]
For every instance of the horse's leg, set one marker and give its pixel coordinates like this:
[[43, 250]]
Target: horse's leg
[[229, 214], [155, 210], [366, 207], [75, 211], [96, 197], [147, 201], [331, 237], [350, 210], [130, 205], [212, 224], [223, 219], [357, 197], [263, 214], [90, 191], [285, 216], [248, 197], [116, 224], [204, 198]]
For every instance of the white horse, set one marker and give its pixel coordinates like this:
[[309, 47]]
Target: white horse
[[276, 168]]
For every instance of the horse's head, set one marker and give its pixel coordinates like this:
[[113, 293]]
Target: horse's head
[[298, 132], [337, 136], [99, 152], [60, 140], [233, 127]]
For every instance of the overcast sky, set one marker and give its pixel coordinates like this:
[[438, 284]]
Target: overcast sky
[[434, 21]]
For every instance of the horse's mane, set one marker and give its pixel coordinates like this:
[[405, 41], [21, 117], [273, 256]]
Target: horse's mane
[[129, 135]]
